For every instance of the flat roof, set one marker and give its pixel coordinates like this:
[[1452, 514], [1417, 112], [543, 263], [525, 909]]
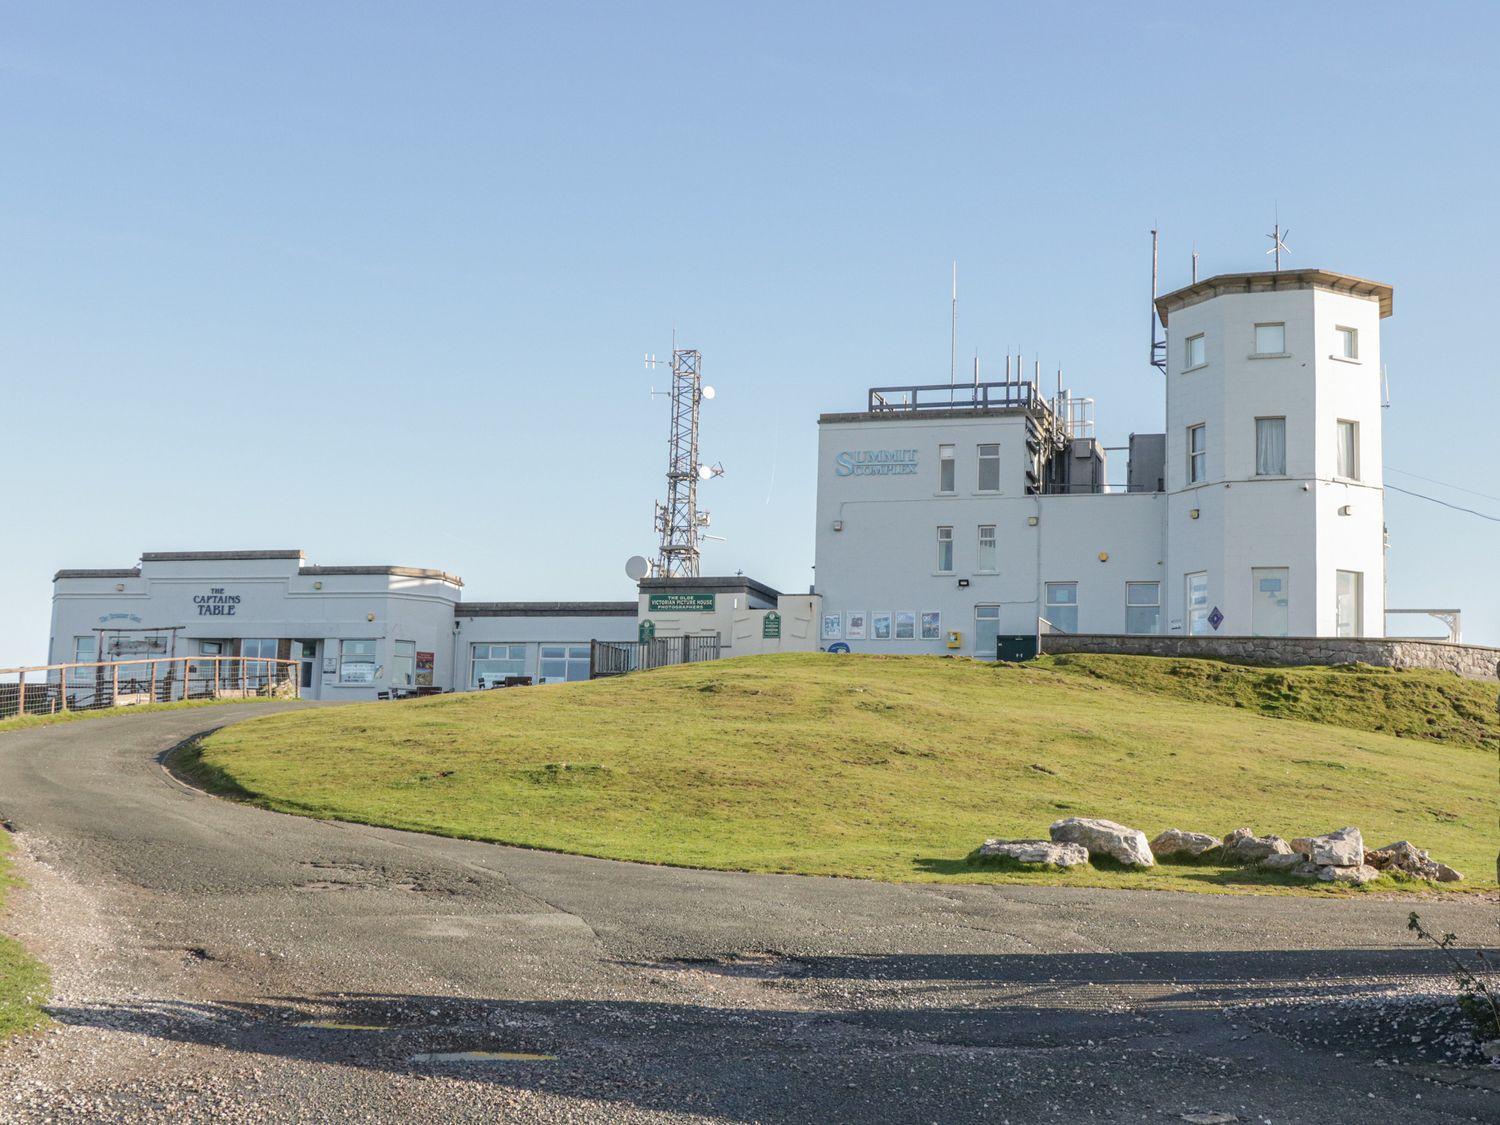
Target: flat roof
[[1267, 281], [544, 609], [399, 571], [732, 583], [130, 572], [216, 556], [898, 415]]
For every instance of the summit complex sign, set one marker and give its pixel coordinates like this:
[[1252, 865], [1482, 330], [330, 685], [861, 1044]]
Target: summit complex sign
[[875, 463]]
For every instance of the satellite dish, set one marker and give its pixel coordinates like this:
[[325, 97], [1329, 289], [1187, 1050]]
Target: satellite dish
[[704, 472], [636, 568], [708, 392]]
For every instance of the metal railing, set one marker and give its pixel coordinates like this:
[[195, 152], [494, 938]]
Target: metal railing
[[49, 689], [917, 398], [615, 658]]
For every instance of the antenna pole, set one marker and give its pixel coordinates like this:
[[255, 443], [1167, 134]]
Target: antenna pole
[[1158, 346], [953, 332], [1195, 263], [678, 519]]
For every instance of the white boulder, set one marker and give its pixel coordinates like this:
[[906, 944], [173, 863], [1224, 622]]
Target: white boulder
[[1037, 851], [1104, 837], [1174, 841], [1344, 848], [1245, 846], [1358, 874]]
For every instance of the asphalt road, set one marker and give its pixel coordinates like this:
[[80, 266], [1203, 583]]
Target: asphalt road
[[214, 961]]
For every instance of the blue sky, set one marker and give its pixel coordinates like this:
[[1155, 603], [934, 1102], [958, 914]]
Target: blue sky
[[375, 280]]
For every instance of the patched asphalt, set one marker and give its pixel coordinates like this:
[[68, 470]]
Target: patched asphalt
[[215, 961]]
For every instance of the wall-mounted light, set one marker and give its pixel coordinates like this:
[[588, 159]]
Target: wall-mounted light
[[1347, 510], [1192, 513], [1104, 556], [318, 585], [1032, 521], [838, 525], [963, 583], [119, 587], [369, 617]]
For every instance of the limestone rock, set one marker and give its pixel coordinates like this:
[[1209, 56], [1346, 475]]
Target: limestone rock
[[1406, 857], [1344, 848], [1358, 874], [1174, 841], [1037, 851], [1306, 870], [1245, 846], [1282, 861], [1446, 874], [1105, 837]]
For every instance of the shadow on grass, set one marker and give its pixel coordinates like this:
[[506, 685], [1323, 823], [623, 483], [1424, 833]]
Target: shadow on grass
[[185, 761]]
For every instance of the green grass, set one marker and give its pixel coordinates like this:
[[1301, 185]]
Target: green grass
[[23, 980], [26, 722], [890, 767]]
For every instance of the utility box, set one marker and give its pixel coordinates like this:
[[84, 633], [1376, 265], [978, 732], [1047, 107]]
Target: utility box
[[955, 639], [1015, 647]]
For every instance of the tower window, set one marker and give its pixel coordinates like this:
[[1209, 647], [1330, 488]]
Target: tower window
[[945, 468], [1348, 343], [1270, 339], [945, 549], [1349, 449], [1196, 354], [989, 555], [989, 468], [1197, 448], [1270, 447]]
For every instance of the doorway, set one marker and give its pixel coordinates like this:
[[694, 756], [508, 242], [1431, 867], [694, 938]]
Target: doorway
[[307, 657], [1269, 613]]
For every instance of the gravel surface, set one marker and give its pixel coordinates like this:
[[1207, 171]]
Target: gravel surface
[[217, 962]]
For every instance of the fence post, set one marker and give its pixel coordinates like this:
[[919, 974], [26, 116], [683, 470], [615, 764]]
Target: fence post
[[185, 671], [114, 684], [242, 677], [62, 688], [153, 681], [21, 694]]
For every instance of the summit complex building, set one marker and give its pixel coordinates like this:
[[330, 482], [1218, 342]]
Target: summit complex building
[[948, 518]]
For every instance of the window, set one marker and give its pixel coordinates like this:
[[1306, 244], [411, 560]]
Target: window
[[1197, 604], [989, 555], [211, 648], [85, 649], [1143, 607], [1349, 449], [989, 468], [1196, 353], [404, 664], [1062, 605], [1348, 342], [945, 468], [1197, 449], [945, 549], [1348, 601], [564, 662], [987, 631], [1270, 447], [1270, 339], [906, 625], [356, 662], [492, 663], [258, 649]]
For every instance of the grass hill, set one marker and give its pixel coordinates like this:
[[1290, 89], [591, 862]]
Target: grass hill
[[896, 767]]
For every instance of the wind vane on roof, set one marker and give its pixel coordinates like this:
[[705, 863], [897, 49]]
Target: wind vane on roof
[[1278, 241]]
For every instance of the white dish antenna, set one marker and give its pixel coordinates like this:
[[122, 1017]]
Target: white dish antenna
[[709, 392], [636, 567]]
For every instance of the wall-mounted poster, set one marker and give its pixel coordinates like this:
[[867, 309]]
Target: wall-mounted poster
[[880, 624], [854, 628], [906, 625], [832, 623], [425, 663], [932, 625]]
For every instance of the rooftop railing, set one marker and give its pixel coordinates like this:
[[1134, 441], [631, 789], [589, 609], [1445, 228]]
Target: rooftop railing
[[922, 397]]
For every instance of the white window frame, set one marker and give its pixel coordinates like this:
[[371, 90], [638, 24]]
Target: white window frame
[[944, 547], [1355, 628], [404, 654], [988, 557], [1197, 459], [1347, 472], [1193, 615], [574, 658], [947, 469], [1262, 472], [984, 460], [1258, 353], [511, 648], [1136, 587], [352, 655], [987, 613], [1053, 605], [1348, 343], [1191, 362]]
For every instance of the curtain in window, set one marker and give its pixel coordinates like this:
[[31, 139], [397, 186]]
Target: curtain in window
[[1270, 446]]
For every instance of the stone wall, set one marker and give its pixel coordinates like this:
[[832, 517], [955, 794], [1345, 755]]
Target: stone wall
[[1473, 661]]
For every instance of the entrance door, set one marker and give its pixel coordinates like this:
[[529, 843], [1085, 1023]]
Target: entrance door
[[307, 655], [1269, 616]]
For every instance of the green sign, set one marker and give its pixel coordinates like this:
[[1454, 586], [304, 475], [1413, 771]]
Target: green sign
[[647, 630], [770, 628], [680, 603]]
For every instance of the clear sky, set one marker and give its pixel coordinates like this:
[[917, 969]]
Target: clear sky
[[375, 280]]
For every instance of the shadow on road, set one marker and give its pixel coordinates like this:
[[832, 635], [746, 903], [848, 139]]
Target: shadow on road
[[776, 1038]]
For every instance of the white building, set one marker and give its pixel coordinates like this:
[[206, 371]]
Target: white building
[[948, 517]]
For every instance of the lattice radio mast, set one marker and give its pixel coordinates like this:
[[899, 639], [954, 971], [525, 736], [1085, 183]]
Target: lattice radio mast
[[679, 522]]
